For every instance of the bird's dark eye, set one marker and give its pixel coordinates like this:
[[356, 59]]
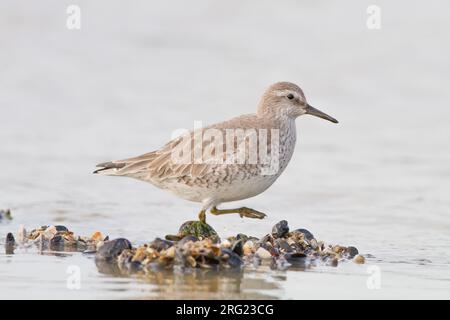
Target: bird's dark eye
[[290, 96]]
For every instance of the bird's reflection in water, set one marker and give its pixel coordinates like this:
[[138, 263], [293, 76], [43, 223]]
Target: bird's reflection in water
[[203, 284]]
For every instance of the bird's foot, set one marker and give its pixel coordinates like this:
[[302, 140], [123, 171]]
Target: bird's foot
[[202, 216], [251, 213]]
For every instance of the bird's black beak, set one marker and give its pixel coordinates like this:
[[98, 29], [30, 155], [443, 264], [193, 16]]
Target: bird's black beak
[[316, 112]]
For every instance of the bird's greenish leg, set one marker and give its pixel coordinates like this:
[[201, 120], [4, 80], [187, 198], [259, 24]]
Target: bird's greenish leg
[[243, 212], [202, 216]]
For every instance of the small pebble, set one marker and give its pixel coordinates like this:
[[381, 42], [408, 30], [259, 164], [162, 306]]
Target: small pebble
[[359, 259], [226, 244], [263, 253], [248, 248]]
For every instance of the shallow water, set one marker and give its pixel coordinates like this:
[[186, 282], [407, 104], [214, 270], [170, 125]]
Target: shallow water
[[132, 75]]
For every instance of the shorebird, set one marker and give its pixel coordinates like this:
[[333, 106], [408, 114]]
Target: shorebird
[[198, 178]]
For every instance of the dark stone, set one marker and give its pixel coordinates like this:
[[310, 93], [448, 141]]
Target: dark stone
[[10, 243], [296, 259], [232, 259], [280, 229], [160, 244], [242, 237], [61, 229], [308, 235], [351, 252], [10, 239], [238, 246], [110, 250]]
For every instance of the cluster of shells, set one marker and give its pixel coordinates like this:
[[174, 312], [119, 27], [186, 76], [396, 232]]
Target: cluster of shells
[[281, 249], [196, 246], [56, 238]]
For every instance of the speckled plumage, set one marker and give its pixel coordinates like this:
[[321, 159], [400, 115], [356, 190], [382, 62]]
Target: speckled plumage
[[212, 183]]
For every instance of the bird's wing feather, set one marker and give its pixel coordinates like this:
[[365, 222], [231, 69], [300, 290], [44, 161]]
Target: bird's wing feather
[[160, 164]]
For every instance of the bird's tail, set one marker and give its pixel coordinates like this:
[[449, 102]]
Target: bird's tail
[[109, 168], [132, 167]]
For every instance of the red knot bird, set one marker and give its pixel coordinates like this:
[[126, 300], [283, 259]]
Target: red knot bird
[[228, 161]]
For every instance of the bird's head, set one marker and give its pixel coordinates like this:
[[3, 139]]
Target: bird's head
[[285, 98]]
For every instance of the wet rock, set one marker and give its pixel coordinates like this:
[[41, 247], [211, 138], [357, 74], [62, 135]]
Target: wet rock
[[197, 229], [60, 228], [280, 229], [110, 250], [308, 235], [231, 258], [242, 237], [350, 252], [238, 246]]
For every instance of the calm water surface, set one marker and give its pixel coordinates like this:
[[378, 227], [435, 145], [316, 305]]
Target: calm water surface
[[121, 85]]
